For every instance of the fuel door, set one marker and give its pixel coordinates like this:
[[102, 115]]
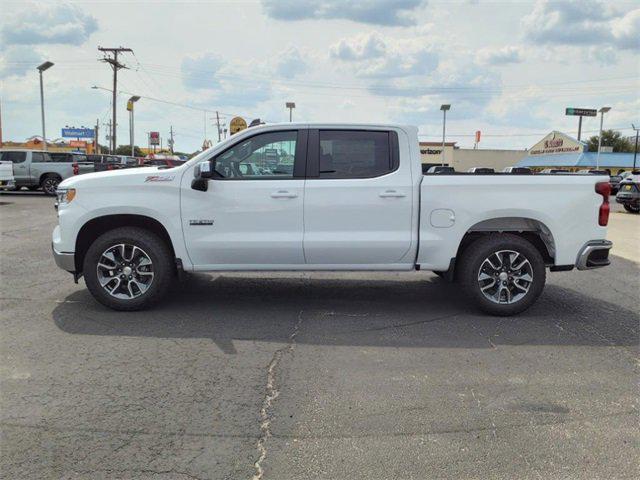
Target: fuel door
[[442, 218]]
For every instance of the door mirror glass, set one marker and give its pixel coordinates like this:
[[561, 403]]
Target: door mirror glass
[[203, 170]]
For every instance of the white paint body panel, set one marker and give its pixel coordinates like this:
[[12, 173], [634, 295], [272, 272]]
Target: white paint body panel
[[333, 224]]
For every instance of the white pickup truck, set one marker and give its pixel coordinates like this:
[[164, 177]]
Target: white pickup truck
[[303, 197]]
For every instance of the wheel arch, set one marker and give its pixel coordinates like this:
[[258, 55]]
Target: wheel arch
[[530, 229], [97, 226]]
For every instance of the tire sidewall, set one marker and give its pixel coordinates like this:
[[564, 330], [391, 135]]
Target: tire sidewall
[[153, 246], [480, 250]]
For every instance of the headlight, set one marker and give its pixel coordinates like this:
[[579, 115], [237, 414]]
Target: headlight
[[65, 195]]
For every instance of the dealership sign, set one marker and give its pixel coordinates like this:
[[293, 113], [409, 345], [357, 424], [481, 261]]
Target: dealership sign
[[555, 143], [154, 138], [78, 133], [581, 112]]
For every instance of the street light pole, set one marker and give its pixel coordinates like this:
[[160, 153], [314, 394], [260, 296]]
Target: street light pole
[[290, 106], [635, 150], [130, 103], [444, 109], [602, 111], [42, 68]]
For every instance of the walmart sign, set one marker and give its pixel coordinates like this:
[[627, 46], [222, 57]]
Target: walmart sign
[[78, 133]]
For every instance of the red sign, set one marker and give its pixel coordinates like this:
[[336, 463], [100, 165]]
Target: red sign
[[478, 133], [154, 138], [78, 144]]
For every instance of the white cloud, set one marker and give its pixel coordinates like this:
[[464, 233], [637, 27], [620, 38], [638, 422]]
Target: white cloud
[[18, 60], [360, 47], [290, 63], [39, 23], [626, 30], [584, 22], [374, 56], [603, 55], [377, 12], [199, 71], [500, 56]]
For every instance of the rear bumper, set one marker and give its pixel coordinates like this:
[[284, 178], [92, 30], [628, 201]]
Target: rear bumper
[[594, 254], [66, 261]]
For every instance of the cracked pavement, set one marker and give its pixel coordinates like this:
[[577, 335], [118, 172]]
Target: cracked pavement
[[392, 375]]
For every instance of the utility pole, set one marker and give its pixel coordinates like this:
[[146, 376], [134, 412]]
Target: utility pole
[[635, 150], [115, 65], [109, 136], [218, 124], [171, 138], [1, 123], [445, 108], [96, 137]]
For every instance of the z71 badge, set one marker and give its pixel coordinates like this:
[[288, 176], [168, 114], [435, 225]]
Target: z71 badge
[[200, 222]]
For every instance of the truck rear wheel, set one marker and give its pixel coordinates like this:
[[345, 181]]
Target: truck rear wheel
[[49, 184], [128, 269], [503, 273]]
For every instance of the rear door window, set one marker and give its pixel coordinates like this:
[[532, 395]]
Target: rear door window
[[344, 154]]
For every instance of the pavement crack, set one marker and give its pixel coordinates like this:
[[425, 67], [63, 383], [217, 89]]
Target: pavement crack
[[272, 392]]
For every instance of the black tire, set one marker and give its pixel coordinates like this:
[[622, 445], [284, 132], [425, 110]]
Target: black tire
[[473, 259], [631, 208], [156, 249], [49, 184]]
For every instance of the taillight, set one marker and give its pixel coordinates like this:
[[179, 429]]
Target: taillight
[[76, 169], [604, 189], [109, 167]]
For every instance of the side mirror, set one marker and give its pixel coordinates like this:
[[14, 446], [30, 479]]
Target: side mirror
[[201, 175]]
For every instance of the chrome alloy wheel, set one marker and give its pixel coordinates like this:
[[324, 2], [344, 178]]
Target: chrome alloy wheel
[[125, 271], [505, 277]]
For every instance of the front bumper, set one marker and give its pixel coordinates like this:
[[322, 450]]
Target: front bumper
[[66, 261], [594, 254]]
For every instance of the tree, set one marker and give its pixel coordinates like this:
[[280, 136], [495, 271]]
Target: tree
[[126, 150], [610, 138]]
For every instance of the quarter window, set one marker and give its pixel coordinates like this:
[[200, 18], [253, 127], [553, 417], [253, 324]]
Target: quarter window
[[354, 154], [266, 156]]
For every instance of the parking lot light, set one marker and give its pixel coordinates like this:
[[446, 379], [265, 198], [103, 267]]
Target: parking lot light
[[41, 68], [602, 111]]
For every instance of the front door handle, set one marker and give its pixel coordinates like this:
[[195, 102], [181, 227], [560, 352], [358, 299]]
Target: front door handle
[[391, 194], [283, 194]]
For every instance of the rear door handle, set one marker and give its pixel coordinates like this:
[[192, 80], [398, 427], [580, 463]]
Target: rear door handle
[[391, 194], [283, 194]]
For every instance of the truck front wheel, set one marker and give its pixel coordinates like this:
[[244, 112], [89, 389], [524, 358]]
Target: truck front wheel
[[128, 269], [503, 273]]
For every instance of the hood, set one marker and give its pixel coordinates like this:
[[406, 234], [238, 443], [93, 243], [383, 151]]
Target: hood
[[125, 176]]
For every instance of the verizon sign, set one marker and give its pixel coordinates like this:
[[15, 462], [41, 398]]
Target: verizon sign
[[556, 143]]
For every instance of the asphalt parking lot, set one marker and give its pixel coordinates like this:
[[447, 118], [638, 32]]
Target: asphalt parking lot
[[329, 376]]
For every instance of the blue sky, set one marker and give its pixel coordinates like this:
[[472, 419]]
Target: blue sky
[[508, 68]]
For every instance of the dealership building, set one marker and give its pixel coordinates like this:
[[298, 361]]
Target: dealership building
[[559, 150], [463, 159]]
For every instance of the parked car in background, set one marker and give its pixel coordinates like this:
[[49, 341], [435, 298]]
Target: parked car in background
[[614, 181], [629, 196], [163, 162], [439, 169], [481, 170], [6, 176], [104, 162], [355, 199], [38, 169], [555, 170], [593, 171], [518, 170]]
